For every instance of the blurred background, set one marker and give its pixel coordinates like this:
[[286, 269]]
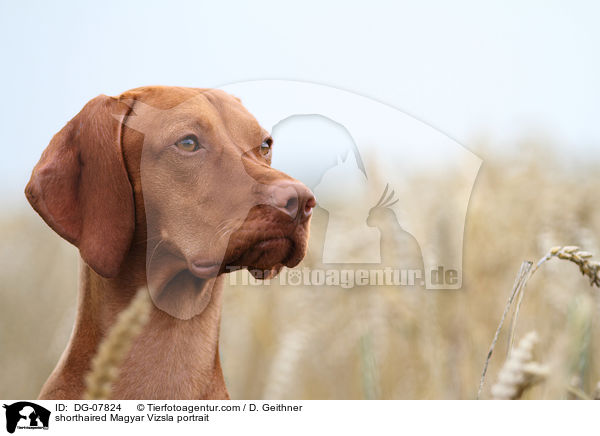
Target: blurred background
[[516, 84]]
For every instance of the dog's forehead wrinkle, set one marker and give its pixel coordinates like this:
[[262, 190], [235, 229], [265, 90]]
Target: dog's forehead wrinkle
[[146, 113], [236, 119], [202, 110], [219, 111]]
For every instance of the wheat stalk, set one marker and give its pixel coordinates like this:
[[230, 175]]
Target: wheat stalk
[[114, 348], [589, 268], [572, 253], [522, 277], [520, 371]]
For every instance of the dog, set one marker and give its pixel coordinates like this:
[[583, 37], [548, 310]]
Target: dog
[[168, 188]]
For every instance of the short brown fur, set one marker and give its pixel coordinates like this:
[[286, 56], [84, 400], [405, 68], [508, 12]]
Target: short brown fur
[[88, 188]]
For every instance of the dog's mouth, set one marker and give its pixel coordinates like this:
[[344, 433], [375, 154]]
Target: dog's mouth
[[264, 243], [267, 241], [261, 255], [264, 254]]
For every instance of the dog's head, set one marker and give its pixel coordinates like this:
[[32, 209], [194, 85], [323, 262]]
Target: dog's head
[[187, 168]]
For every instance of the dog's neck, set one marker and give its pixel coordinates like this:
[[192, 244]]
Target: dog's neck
[[171, 358]]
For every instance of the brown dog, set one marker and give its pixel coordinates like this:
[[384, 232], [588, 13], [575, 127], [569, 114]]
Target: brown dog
[[167, 188]]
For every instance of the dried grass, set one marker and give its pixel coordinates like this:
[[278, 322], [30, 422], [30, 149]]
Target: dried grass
[[421, 344], [520, 371], [573, 254], [116, 345]]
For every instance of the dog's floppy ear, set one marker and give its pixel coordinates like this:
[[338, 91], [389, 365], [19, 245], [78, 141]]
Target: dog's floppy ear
[[81, 189]]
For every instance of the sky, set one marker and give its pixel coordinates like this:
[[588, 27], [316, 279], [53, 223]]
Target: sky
[[501, 70]]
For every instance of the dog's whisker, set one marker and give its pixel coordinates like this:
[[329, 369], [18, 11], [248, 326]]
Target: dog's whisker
[[226, 223], [145, 241], [149, 261], [224, 230]]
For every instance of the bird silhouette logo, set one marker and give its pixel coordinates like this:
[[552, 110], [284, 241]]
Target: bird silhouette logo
[[421, 178]]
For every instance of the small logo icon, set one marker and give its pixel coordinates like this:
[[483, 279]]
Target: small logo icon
[[26, 415]]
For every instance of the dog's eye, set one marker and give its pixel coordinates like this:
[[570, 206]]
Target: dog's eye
[[188, 144], [265, 148]]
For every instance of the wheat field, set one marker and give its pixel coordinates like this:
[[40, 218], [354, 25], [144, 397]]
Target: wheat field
[[324, 342]]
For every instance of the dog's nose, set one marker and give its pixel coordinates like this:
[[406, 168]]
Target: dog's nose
[[294, 199]]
